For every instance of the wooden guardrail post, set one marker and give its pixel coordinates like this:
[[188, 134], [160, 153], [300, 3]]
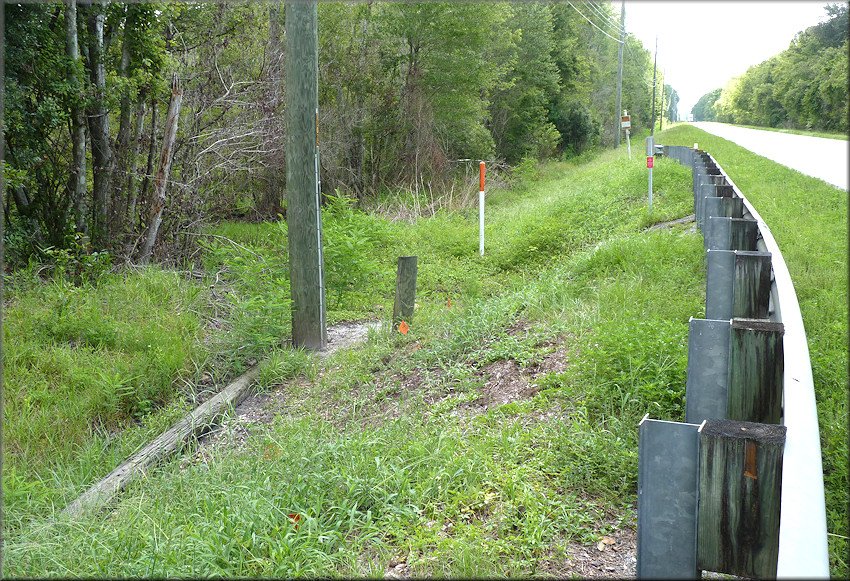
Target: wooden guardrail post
[[755, 371], [740, 484], [405, 289]]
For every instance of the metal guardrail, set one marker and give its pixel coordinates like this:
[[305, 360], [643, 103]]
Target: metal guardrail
[[803, 550]]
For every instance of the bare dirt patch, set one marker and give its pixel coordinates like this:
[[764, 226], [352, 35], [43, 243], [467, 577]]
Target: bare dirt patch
[[612, 556]]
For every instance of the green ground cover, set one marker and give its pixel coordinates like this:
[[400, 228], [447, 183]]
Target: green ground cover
[[384, 452]]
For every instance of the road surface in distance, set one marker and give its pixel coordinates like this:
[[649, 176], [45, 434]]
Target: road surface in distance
[[818, 157]]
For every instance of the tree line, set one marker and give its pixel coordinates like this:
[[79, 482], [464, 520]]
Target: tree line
[[407, 91], [803, 87]]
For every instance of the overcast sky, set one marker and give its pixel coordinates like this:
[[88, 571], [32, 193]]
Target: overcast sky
[[701, 45]]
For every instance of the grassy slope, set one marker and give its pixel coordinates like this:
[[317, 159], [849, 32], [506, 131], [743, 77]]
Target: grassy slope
[[370, 451], [568, 268], [808, 219]]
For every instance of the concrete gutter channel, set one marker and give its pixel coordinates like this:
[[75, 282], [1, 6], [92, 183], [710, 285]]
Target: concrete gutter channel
[[803, 549]]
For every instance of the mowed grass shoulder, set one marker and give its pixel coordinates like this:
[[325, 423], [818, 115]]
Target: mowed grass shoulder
[[809, 220], [500, 429]]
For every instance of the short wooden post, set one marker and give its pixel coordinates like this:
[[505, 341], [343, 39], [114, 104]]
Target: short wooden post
[[744, 234], [756, 365], [405, 289], [740, 485]]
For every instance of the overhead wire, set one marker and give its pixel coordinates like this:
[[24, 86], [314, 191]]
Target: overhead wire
[[606, 16], [599, 10], [593, 23]]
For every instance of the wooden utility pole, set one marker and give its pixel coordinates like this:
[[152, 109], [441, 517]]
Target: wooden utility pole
[[654, 71], [619, 110], [304, 212]]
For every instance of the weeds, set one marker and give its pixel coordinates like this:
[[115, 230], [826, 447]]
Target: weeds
[[378, 457]]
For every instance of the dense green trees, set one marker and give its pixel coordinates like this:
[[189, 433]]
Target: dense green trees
[[406, 89], [803, 87]]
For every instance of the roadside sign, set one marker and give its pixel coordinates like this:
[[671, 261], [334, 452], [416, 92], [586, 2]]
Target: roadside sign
[[649, 162], [625, 122]]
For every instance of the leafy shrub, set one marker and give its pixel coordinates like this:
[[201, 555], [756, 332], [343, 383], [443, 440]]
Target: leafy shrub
[[79, 262]]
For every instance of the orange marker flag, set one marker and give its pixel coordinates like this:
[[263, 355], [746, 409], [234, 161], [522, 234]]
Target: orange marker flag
[[449, 303], [403, 328]]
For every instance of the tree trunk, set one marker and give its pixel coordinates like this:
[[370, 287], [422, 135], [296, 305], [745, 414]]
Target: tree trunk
[[132, 170], [77, 185], [158, 202], [271, 201], [118, 201], [99, 125], [143, 194]]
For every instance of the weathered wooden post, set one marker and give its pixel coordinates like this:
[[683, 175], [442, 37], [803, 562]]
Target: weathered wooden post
[[405, 289], [756, 365], [304, 213], [737, 284], [740, 485]]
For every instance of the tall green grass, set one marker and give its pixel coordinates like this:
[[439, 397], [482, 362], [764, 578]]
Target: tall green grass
[[808, 218], [83, 363], [490, 495]]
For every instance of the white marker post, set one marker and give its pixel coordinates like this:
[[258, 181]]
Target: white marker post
[[481, 209]]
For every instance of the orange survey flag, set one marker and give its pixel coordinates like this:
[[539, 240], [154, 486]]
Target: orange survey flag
[[403, 328]]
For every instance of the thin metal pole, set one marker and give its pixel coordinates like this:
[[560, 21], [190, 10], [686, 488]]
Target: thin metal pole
[[652, 131], [654, 71], [661, 118]]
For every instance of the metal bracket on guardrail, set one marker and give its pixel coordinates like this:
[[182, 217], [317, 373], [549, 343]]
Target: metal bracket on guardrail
[[723, 233], [737, 284], [668, 456]]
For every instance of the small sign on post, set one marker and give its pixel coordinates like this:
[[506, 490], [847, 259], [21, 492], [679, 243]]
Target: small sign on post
[[626, 123], [649, 161]]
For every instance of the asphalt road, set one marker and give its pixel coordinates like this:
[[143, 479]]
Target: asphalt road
[[818, 157]]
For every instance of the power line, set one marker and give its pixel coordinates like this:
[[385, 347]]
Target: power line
[[606, 16], [593, 24]]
